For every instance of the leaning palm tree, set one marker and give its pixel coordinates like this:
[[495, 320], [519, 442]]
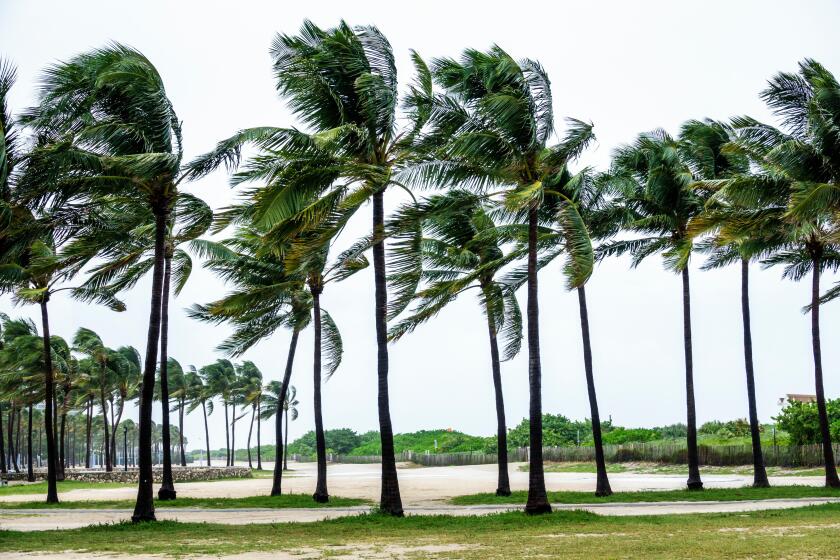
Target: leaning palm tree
[[342, 83], [265, 298], [126, 140], [462, 251], [603, 218], [492, 128], [656, 184], [90, 345], [798, 171], [199, 392], [740, 234]]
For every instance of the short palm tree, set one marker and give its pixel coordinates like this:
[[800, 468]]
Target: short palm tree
[[798, 171], [657, 189], [462, 250], [250, 389], [265, 298], [200, 393], [180, 392], [290, 411], [88, 343], [220, 378], [492, 128]]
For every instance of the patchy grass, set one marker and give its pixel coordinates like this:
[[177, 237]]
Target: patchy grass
[[284, 501], [658, 468], [64, 486], [711, 494], [803, 533]]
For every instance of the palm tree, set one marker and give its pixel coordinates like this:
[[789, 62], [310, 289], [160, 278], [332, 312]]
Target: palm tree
[[219, 379], [199, 392], [492, 129], [180, 392], [656, 183], [463, 251], [265, 298], [740, 234], [798, 172], [250, 389], [603, 218], [289, 409], [342, 83], [127, 141]]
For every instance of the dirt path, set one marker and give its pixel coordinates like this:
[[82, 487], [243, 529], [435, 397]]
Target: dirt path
[[42, 520], [418, 486]]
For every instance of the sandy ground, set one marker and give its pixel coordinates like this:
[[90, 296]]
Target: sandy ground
[[419, 486], [424, 491]]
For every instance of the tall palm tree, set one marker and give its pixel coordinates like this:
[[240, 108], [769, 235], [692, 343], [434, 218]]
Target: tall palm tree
[[250, 388], [342, 83], [740, 234], [290, 411], [90, 344], [220, 377], [462, 251], [656, 183], [492, 128], [798, 169], [180, 392], [593, 199], [127, 140]]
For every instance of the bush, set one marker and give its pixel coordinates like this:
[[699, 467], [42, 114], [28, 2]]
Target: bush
[[731, 429], [620, 436], [801, 421]]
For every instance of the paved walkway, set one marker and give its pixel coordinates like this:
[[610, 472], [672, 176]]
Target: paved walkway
[[41, 520]]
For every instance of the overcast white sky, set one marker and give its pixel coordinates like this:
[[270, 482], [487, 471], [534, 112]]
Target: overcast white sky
[[628, 66]]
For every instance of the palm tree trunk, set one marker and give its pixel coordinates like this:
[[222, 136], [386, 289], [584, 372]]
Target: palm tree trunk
[[206, 430], [537, 498], [88, 423], [602, 485], [61, 459], [181, 432], [30, 472], [831, 479], [3, 468], [694, 482], [144, 509], [759, 472], [390, 501], [227, 435], [286, 442], [503, 485], [18, 454], [250, 431], [106, 428], [115, 423], [52, 489], [277, 481], [259, 444], [167, 486], [321, 495]]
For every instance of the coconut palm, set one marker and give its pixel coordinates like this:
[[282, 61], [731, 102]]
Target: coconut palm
[[342, 83], [462, 251], [492, 128], [250, 389], [126, 140], [264, 299], [219, 378], [798, 171], [290, 411], [180, 392], [199, 392], [656, 184], [740, 234], [273, 405], [593, 199]]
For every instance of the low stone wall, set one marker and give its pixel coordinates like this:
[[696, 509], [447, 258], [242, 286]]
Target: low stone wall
[[179, 474]]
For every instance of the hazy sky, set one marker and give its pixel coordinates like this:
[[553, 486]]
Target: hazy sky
[[626, 66]]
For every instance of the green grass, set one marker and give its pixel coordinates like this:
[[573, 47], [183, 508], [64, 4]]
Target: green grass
[[711, 494], [803, 533], [284, 501], [65, 486], [658, 468]]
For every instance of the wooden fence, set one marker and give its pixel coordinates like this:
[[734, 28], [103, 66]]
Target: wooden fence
[[718, 455]]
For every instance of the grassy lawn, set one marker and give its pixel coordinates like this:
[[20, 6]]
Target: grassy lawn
[[284, 501], [711, 494], [65, 486], [657, 468], [805, 533]]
